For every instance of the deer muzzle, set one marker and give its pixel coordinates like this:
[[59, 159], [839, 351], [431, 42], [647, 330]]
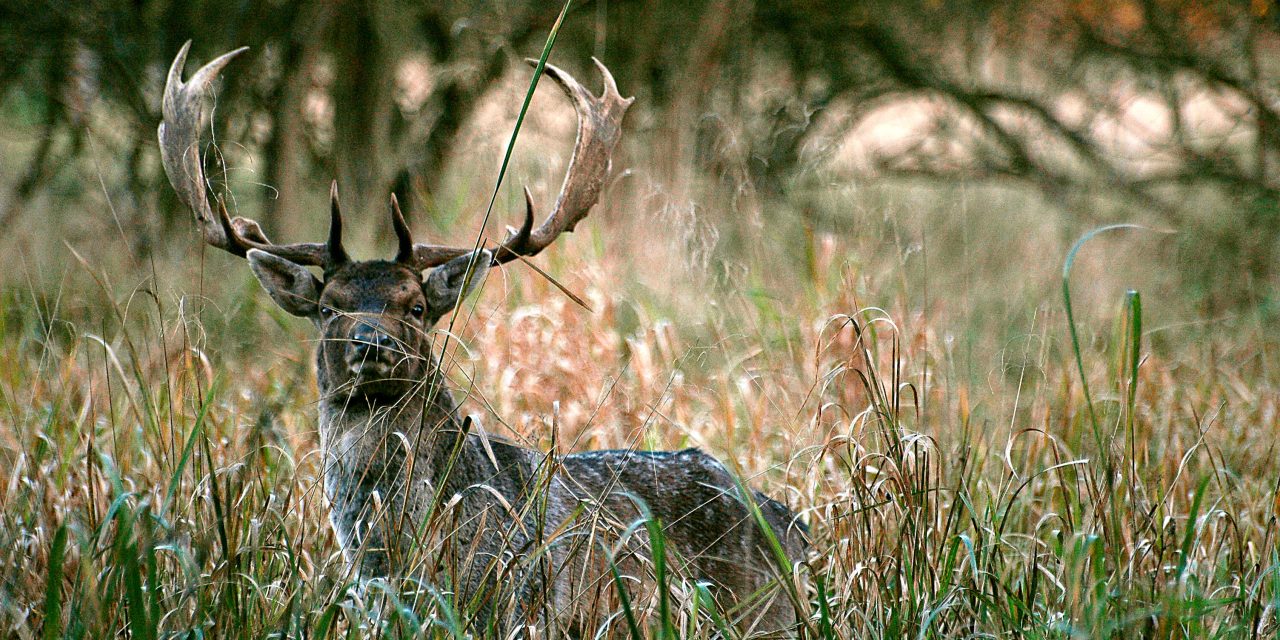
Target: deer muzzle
[[372, 352]]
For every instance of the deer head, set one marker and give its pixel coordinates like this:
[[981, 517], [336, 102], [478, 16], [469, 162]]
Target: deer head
[[375, 315]]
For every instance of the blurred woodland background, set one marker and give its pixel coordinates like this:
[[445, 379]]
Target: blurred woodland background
[[1154, 111], [832, 253]]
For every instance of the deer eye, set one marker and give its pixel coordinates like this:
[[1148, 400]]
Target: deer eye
[[326, 311], [417, 310]]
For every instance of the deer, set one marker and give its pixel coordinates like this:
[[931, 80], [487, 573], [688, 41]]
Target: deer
[[549, 534]]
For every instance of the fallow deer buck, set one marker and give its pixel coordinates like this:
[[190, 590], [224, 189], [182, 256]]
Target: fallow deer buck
[[526, 533]]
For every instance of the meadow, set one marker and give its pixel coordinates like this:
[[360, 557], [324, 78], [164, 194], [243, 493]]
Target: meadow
[[991, 427]]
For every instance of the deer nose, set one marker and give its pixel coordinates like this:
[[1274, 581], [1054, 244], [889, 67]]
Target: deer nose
[[370, 341]]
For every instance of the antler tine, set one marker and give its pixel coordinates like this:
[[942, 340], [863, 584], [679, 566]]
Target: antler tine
[[404, 237], [599, 126], [183, 120], [335, 255]]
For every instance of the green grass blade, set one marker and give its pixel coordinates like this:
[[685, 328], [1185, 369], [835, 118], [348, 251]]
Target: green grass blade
[[1071, 320], [709, 603], [524, 109], [126, 553], [624, 597], [196, 430], [1134, 304], [826, 629], [53, 586], [658, 549], [1189, 538], [784, 564], [506, 156]]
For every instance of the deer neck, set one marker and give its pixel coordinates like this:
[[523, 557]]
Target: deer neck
[[426, 413]]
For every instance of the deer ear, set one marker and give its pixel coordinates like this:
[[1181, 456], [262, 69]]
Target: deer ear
[[449, 283], [290, 285]]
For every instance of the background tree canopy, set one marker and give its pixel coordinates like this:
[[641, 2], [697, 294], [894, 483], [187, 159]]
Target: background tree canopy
[[1133, 105]]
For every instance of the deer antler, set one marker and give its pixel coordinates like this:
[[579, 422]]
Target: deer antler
[[179, 133], [599, 126]]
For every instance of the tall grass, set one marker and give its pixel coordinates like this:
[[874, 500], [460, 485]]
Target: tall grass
[[162, 480]]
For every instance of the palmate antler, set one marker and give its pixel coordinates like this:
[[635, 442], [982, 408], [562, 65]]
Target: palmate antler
[[179, 133], [599, 126]]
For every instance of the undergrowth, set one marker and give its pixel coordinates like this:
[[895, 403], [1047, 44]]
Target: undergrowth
[[160, 467]]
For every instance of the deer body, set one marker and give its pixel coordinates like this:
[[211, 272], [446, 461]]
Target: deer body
[[511, 498], [517, 536]]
